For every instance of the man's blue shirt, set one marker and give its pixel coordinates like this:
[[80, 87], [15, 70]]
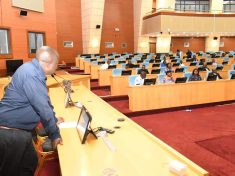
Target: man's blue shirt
[[26, 101]]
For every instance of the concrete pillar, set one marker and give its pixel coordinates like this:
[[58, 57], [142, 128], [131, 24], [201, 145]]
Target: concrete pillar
[[92, 15], [141, 8], [163, 43], [212, 43]]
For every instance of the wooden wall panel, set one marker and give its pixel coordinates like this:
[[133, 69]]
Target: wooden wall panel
[[118, 14], [69, 28], [195, 43], [229, 43], [20, 25]]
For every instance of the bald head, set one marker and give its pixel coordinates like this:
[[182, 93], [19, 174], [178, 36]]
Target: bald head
[[48, 59]]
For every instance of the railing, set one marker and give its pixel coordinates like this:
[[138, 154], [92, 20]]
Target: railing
[[189, 10]]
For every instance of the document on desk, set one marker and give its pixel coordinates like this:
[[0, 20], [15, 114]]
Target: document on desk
[[68, 125]]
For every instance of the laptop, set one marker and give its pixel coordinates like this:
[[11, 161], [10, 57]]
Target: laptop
[[193, 64], [181, 80], [211, 78], [156, 71], [112, 66], [176, 64], [232, 76], [156, 65], [126, 72], [151, 81], [178, 70]]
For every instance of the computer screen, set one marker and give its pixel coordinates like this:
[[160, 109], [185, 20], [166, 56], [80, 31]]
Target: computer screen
[[126, 72], [13, 65], [112, 66], [181, 80], [83, 124], [150, 81], [232, 76], [178, 70], [211, 77], [156, 71]]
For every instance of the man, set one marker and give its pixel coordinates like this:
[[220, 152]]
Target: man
[[179, 53], [129, 64], [143, 69], [106, 65], [140, 79], [168, 78], [24, 104], [214, 72]]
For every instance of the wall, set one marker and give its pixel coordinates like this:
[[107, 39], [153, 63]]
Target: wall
[[228, 43], [69, 28], [195, 43], [118, 14], [19, 26]]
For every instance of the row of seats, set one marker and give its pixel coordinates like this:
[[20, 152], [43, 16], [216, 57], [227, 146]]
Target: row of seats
[[160, 77]]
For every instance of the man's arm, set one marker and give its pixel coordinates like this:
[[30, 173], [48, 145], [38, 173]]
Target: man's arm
[[36, 92]]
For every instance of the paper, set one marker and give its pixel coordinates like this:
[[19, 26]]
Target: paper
[[68, 125]]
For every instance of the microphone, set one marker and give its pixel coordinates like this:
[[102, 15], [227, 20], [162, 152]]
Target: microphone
[[66, 83], [61, 85]]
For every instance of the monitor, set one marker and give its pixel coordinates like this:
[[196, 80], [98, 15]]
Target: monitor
[[232, 76], [219, 68], [126, 72], [201, 69], [176, 64], [151, 81], [193, 64], [83, 124], [121, 62], [93, 60], [178, 70], [158, 60], [174, 60], [139, 61], [101, 62], [135, 66], [151, 61], [156, 71], [211, 78], [181, 80], [225, 62], [13, 65], [112, 66], [156, 65], [209, 63]]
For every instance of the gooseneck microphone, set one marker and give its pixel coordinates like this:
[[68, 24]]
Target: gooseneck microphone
[[61, 85], [66, 84]]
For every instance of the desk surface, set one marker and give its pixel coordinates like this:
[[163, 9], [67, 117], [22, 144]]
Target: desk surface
[[138, 152]]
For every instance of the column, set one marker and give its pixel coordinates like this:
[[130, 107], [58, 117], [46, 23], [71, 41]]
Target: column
[[216, 6], [212, 43], [166, 4], [163, 43], [141, 8], [92, 15]]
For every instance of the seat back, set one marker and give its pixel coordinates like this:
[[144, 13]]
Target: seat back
[[132, 80], [117, 71]]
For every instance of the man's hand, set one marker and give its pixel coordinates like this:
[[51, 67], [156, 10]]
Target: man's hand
[[56, 142], [60, 120]]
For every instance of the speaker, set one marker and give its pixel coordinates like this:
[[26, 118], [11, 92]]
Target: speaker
[[97, 26], [23, 13], [215, 38]]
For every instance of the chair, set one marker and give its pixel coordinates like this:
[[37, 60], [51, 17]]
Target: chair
[[207, 73], [94, 62], [162, 70], [230, 72], [44, 151], [117, 72], [114, 62], [233, 66], [187, 75], [132, 80], [160, 78], [185, 68]]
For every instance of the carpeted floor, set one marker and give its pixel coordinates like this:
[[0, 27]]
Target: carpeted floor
[[182, 130]]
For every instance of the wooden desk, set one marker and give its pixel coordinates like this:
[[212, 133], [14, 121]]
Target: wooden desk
[[176, 95], [119, 84], [3, 83], [138, 153], [75, 79]]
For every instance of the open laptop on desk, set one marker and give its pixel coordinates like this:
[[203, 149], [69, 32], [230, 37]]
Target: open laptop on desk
[[126, 72], [150, 81], [181, 80]]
